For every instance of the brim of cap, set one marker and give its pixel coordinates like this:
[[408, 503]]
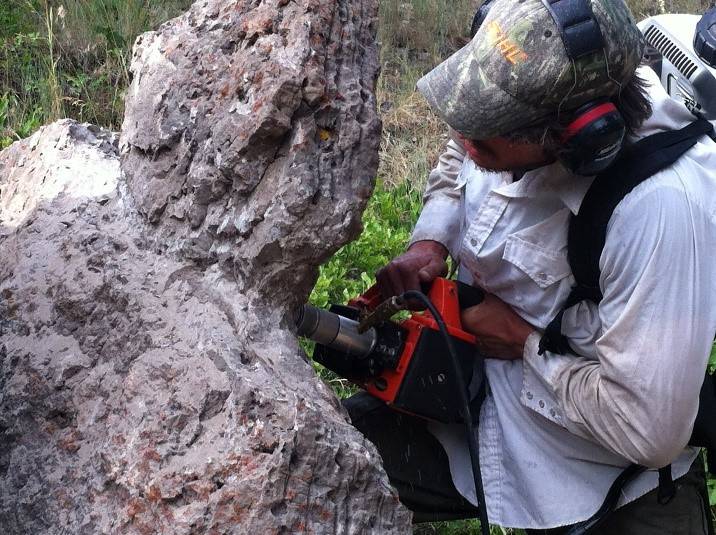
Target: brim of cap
[[466, 99]]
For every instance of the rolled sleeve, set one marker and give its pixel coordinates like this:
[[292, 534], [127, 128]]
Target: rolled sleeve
[[639, 396], [440, 219]]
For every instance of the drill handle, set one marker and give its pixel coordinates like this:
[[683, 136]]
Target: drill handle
[[468, 295], [369, 301]]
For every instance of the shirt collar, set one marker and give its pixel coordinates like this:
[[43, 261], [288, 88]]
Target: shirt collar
[[549, 181], [668, 113], [555, 180]]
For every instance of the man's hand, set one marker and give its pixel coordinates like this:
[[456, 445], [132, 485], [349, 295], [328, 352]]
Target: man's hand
[[500, 332], [422, 263]]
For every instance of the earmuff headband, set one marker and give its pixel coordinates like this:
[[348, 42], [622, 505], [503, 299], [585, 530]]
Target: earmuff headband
[[577, 26]]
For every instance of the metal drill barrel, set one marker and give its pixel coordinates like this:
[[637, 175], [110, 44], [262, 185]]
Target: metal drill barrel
[[334, 331]]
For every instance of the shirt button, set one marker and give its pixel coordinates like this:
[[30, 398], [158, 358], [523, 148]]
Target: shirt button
[[473, 242], [542, 276], [529, 395], [541, 404], [553, 413]]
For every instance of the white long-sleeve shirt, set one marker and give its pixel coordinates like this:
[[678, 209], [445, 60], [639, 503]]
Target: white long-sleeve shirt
[[555, 431]]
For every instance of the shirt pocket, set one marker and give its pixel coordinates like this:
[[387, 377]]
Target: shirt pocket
[[540, 251], [543, 266]]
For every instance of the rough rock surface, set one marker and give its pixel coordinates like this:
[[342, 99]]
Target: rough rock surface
[[149, 382], [251, 137]]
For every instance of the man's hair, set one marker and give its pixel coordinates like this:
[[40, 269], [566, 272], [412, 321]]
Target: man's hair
[[632, 102]]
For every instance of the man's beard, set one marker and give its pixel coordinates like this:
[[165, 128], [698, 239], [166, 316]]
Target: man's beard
[[549, 159], [489, 153], [488, 169]]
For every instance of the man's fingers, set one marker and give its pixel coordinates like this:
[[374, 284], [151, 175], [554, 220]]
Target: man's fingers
[[396, 281], [383, 282], [397, 278], [410, 278], [422, 263]]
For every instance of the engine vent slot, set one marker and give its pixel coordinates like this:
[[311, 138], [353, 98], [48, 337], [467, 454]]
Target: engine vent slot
[[670, 51]]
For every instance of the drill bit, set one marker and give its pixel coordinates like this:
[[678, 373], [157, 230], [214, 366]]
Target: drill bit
[[382, 312]]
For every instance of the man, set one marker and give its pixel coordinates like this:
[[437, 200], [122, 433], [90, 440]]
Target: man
[[556, 430]]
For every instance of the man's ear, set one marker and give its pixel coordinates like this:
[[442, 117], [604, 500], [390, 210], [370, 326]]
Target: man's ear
[[464, 142]]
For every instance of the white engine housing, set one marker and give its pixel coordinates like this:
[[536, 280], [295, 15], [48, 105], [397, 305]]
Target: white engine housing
[[685, 76]]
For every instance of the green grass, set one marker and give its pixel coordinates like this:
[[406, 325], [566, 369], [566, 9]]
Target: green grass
[[461, 527], [69, 59]]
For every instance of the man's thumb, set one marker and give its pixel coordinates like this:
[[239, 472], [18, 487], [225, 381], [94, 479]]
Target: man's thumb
[[435, 268]]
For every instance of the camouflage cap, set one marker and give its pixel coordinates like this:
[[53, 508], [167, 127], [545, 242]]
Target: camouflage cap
[[516, 72]]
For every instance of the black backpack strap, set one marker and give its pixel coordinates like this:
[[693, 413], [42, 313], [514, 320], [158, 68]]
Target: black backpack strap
[[667, 488], [553, 340], [588, 229], [586, 238]]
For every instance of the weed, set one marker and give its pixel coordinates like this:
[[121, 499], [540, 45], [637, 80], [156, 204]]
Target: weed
[[460, 527], [70, 58], [424, 26], [646, 8]]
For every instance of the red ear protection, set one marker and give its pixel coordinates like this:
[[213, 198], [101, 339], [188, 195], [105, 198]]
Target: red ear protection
[[593, 139], [586, 118]]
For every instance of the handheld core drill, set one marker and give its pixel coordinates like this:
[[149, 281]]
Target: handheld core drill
[[406, 364]]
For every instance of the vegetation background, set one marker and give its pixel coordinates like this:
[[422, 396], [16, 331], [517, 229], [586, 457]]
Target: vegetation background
[[70, 58]]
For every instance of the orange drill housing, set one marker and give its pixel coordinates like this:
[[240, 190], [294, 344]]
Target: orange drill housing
[[422, 380]]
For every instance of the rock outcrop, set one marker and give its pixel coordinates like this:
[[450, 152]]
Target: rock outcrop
[[149, 378], [251, 137]]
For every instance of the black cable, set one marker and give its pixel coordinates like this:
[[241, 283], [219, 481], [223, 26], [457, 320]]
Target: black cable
[[472, 443], [610, 502]]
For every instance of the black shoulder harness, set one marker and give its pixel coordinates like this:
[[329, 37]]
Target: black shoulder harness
[[585, 242], [588, 229]]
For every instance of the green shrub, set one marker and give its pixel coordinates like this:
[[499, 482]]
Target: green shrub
[[387, 223]]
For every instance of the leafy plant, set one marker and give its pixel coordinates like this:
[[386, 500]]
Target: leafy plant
[[5, 137], [30, 121], [387, 223]]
